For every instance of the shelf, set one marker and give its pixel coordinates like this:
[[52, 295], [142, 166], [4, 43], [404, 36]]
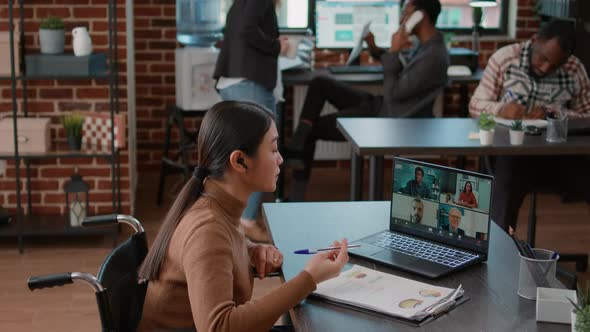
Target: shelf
[[104, 75], [8, 78], [51, 225], [62, 151]]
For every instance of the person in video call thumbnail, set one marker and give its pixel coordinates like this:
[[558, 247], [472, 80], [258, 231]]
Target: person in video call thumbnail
[[466, 197], [454, 222], [417, 187], [417, 211]]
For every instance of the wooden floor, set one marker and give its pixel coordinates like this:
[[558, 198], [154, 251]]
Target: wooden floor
[[565, 228]]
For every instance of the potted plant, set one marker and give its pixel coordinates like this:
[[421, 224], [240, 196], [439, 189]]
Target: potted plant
[[52, 35], [73, 125], [486, 126], [516, 133], [581, 312]]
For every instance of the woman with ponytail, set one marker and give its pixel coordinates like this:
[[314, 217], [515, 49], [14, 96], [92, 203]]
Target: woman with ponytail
[[200, 265]]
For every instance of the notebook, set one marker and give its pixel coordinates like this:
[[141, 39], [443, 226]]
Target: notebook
[[385, 294], [439, 220]]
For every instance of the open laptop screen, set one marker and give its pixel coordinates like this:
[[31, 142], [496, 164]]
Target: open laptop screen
[[440, 203]]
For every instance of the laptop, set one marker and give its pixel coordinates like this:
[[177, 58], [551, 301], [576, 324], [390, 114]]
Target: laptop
[[439, 220]]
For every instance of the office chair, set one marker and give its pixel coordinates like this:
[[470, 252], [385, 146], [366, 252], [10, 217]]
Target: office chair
[[119, 292], [581, 260], [179, 162]]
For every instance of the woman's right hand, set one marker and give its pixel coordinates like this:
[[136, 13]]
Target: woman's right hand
[[328, 264]]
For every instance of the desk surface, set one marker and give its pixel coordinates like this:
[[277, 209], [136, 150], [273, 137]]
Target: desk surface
[[303, 77], [492, 286], [386, 136]]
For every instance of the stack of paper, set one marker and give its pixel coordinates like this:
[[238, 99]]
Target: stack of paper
[[388, 294]]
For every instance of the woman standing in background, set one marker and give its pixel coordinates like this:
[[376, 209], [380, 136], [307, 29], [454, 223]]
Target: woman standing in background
[[247, 67]]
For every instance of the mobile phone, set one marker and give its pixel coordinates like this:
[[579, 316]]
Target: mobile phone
[[414, 19], [532, 130]]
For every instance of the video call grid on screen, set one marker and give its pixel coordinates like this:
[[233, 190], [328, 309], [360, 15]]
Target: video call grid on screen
[[339, 23], [437, 200]]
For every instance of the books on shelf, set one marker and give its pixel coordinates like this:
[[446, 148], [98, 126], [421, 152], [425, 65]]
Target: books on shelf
[[386, 294]]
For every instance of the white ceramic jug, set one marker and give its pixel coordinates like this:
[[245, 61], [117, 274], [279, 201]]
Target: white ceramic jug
[[82, 42]]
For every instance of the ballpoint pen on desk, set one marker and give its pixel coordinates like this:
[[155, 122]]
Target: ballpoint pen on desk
[[312, 251]]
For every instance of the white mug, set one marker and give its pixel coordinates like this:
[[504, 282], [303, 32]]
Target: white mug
[[81, 41]]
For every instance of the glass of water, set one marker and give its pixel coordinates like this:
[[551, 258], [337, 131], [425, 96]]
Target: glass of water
[[557, 127]]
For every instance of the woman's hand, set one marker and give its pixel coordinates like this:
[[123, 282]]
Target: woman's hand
[[328, 264], [266, 259]]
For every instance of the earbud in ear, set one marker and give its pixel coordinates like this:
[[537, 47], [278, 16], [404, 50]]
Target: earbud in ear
[[241, 162]]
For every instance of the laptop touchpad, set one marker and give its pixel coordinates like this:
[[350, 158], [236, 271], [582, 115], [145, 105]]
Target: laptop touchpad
[[366, 250], [394, 258]]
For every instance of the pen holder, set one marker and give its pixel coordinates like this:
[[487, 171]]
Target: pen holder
[[557, 128], [536, 272]]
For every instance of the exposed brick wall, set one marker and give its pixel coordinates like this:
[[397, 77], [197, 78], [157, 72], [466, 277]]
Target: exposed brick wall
[[53, 98]]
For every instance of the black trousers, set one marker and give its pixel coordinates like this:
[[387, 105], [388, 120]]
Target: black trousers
[[349, 102], [515, 177]]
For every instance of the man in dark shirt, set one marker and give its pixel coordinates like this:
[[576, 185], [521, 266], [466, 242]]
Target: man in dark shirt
[[406, 88], [417, 187]]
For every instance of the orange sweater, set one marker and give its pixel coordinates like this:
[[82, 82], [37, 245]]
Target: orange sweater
[[206, 278]]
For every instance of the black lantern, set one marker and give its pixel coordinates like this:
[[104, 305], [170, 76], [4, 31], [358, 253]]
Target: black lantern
[[76, 199]]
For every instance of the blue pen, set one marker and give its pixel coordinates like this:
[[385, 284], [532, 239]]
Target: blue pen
[[555, 255], [510, 94], [312, 251]]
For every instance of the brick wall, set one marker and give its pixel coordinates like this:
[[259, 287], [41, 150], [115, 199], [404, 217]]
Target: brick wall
[[54, 98]]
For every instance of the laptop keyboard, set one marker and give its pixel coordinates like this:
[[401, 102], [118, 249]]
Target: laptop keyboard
[[422, 249]]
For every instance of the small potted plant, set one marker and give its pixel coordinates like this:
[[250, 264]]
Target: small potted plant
[[52, 35], [73, 126], [516, 132], [581, 312], [486, 126]]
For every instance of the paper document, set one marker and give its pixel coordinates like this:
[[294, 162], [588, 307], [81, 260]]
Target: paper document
[[536, 123], [358, 47], [286, 63], [388, 294]]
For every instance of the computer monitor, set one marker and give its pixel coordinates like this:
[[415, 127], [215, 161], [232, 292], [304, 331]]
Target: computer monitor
[[339, 23]]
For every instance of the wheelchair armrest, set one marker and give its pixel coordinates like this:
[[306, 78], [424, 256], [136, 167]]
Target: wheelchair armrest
[[49, 280], [102, 220], [113, 219], [60, 279]]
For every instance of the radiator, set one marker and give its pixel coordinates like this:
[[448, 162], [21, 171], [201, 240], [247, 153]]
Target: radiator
[[326, 150]]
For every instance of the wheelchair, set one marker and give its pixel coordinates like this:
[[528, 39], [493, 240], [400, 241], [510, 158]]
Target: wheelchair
[[119, 292]]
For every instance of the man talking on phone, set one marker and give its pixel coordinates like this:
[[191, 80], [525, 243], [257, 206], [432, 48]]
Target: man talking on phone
[[407, 83]]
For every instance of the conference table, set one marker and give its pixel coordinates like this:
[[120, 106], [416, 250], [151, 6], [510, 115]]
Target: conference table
[[493, 303], [379, 137]]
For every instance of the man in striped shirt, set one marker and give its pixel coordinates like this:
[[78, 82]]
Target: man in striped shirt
[[527, 81]]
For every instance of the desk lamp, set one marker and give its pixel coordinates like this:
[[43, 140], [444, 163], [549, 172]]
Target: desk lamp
[[477, 15]]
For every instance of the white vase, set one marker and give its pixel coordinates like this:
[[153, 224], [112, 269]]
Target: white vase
[[486, 137], [516, 137], [82, 42]]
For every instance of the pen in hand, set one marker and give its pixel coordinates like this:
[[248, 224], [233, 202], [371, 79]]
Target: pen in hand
[[312, 251]]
